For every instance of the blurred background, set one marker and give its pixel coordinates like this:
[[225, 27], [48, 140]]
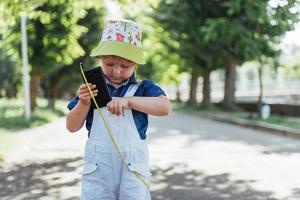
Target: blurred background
[[229, 60]]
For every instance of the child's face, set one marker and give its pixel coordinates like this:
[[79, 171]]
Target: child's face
[[117, 69]]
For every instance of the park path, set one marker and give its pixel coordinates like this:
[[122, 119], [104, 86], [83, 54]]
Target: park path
[[191, 158]]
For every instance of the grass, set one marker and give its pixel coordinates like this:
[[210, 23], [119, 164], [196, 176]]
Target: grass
[[290, 122], [12, 114], [12, 119]]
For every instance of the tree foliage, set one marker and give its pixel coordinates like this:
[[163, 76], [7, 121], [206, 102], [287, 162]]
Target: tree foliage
[[225, 33], [56, 39], [183, 22], [190, 36], [247, 30]]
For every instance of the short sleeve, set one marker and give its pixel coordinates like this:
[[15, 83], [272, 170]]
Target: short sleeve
[[149, 89], [73, 103]]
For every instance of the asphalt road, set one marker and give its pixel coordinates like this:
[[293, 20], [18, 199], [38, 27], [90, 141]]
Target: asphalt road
[[191, 158]]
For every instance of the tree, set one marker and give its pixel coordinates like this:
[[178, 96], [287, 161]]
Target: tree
[[10, 71], [183, 21], [162, 65], [53, 33], [92, 21], [224, 33], [246, 30], [10, 76]]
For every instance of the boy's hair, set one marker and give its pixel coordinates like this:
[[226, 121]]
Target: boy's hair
[[121, 38]]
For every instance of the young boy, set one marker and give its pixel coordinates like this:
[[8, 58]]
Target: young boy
[[105, 175]]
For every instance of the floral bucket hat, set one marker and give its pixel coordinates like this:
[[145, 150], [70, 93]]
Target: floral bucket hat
[[121, 38]]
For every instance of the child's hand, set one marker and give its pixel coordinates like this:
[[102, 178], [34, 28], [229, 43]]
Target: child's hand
[[117, 105], [84, 95]]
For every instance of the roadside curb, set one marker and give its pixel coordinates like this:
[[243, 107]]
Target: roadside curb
[[272, 128]]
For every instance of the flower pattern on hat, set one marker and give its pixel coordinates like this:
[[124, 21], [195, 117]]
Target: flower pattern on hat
[[122, 31]]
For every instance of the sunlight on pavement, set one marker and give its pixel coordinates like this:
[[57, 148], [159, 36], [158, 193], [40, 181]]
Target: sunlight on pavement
[[201, 159], [256, 164]]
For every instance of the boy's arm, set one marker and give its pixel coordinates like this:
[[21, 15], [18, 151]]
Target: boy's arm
[[157, 106], [76, 117]]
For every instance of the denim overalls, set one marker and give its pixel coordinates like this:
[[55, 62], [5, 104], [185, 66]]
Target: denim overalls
[[105, 177]]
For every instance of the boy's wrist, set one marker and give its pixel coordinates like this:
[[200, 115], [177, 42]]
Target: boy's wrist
[[81, 108], [84, 103], [129, 101]]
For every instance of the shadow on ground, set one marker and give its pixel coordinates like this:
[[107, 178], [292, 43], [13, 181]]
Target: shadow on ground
[[174, 184], [56, 180], [38, 180]]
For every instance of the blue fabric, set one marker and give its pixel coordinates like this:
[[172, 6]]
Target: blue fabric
[[146, 89]]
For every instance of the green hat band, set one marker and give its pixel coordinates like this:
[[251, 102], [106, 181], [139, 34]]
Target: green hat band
[[122, 49]]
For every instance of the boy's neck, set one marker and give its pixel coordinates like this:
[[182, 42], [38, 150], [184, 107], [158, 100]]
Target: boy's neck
[[121, 84], [117, 85]]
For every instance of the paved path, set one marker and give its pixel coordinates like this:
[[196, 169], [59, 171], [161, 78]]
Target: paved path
[[191, 158]]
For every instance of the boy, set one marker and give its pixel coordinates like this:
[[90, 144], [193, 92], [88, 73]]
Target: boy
[[105, 175]]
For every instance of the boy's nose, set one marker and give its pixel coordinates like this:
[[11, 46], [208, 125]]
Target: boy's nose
[[116, 71]]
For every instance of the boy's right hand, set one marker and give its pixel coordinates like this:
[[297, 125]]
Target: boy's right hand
[[84, 94]]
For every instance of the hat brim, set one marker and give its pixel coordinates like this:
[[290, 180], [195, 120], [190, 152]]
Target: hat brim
[[121, 49]]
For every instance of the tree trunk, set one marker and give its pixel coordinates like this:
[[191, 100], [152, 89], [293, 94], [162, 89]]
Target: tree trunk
[[35, 86], [206, 88], [193, 86], [229, 90], [53, 95], [178, 98], [15, 90], [260, 97], [47, 92], [9, 92]]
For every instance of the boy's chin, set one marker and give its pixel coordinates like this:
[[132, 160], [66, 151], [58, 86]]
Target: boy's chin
[[117, 81]]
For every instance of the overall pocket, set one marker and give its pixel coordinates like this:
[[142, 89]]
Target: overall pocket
[[90, 163], [89, 168]]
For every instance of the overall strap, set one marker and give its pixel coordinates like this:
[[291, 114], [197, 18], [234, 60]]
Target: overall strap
[[131, 90]]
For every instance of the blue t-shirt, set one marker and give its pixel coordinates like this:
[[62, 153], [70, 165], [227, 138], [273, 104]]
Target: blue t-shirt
[[146, 89]]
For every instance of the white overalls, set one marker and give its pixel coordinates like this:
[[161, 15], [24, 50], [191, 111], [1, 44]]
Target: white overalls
[[105, 177]]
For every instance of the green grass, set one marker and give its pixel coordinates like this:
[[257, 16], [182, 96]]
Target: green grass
[[12, 119], [290, 122], [192, 108], [12, 114]]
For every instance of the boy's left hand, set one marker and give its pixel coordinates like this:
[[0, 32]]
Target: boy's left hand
[[117, 105]]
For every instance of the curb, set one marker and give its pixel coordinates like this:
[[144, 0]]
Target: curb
[[272, 128]]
